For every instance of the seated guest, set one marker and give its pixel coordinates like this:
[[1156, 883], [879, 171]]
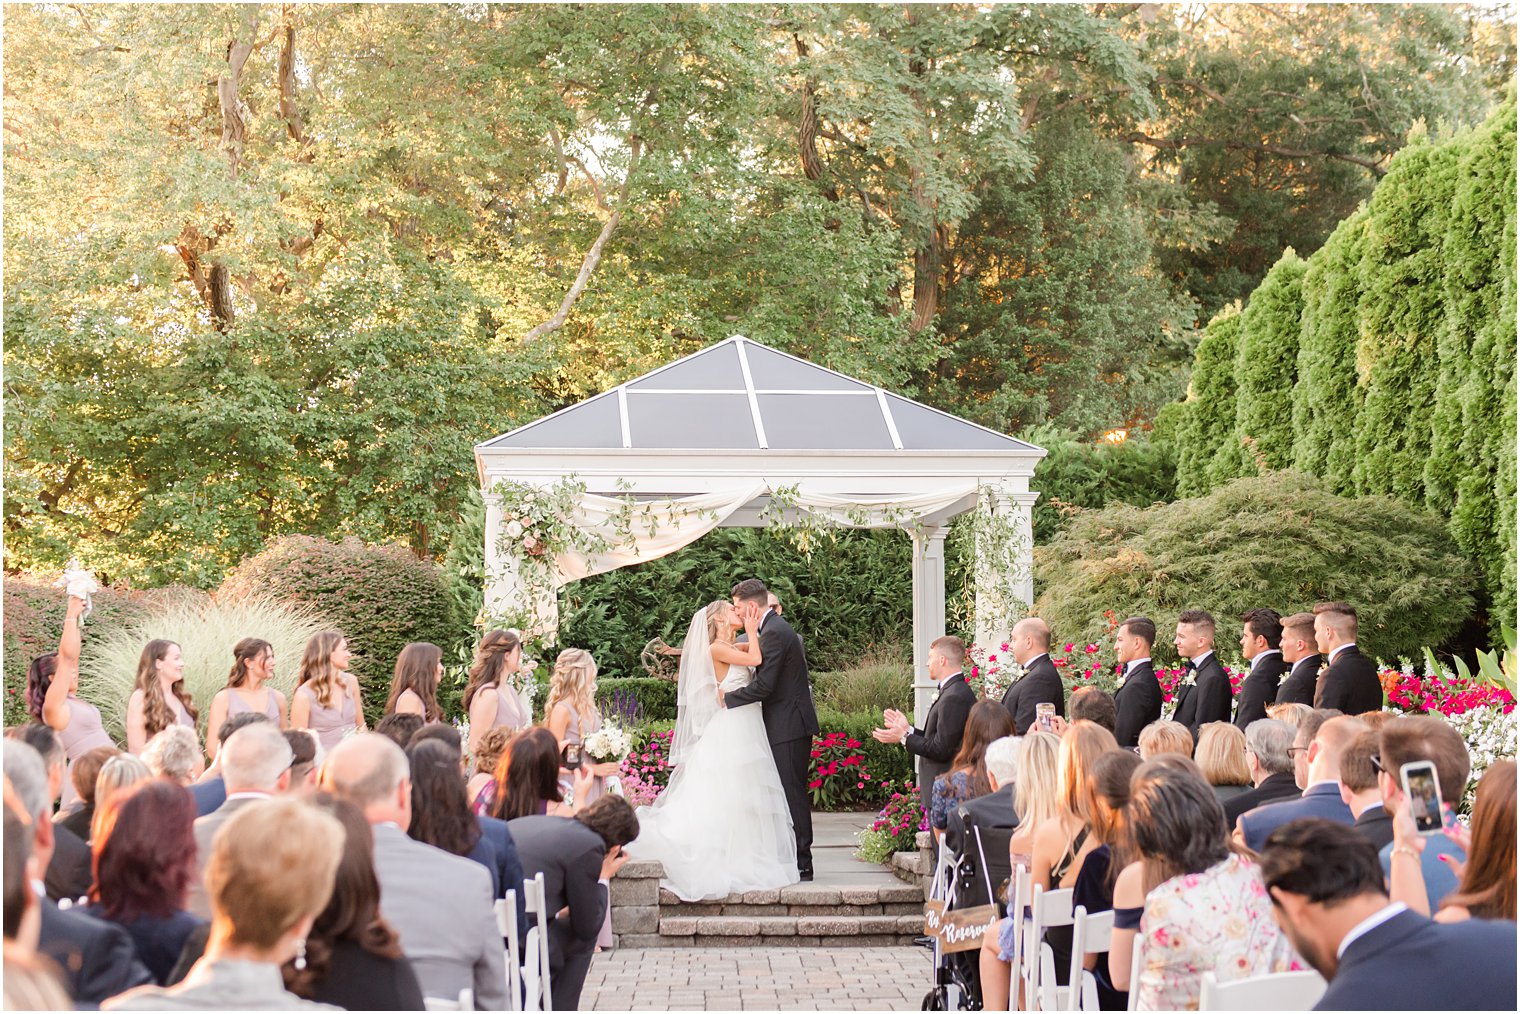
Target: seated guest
[[67, 874], [1165, 737], [305, 759], [144, 863], [1268, 743], [210, 791], [995, 809], [1202, 906], [1261, 646], [1089, 704], [444, 733], [1221, 756], [1375, 720], [481, 787], [1041, 682], [270, 875], [577, 856], [1327, 892], [1322, 791], [967, 777], [29, 983], [255, 765], [1360, 790], [117, 775], [353, 956], [399, 728], [1487, 880], [1138, 698], [440, 904], [1036, 793], [174, 753], [83, 774], [441, 816], [527, 778], [97, 958], [1290, 713], [1405, 740]]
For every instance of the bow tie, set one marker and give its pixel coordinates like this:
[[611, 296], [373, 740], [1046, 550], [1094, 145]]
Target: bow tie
[[1191, 665]]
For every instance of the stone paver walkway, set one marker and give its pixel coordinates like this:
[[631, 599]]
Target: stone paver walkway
[[758, 978]]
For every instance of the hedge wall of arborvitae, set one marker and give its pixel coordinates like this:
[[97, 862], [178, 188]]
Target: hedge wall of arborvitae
[[1385, 363]]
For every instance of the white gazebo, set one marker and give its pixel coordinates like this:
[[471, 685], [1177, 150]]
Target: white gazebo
[[739, 433]]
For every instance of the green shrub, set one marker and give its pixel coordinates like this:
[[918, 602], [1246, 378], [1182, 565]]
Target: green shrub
[[1083, 474], [884, 680], [656, 698], [380, 597], [205, 632], [34, 612], [1281, 540]]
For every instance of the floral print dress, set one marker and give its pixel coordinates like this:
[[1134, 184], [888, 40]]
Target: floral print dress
[[1216, 921]]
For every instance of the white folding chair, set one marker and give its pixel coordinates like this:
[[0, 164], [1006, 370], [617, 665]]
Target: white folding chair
[[1018, 897], [539, 995], [465, 1001], [1047, 909], [1277, 991], [506, 923], [1090, 934], [1136, 963]]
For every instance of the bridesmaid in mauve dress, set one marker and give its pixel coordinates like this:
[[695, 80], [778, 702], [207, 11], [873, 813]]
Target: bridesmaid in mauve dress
[[327, 698], [160, 699], [488, 700], [52, 681], [247, 689]]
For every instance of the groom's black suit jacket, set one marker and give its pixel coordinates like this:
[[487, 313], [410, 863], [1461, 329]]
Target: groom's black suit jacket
[[781, 685]]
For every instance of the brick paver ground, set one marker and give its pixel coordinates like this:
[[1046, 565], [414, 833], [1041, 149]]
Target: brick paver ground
[[758, 978]]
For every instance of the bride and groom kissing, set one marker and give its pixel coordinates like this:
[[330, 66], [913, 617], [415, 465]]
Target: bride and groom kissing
[[736, 815]]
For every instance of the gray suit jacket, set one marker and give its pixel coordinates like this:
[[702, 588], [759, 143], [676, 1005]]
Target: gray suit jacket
[[206, 828], [441, 905]]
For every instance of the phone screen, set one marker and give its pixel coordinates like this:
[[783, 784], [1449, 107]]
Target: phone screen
[[572, 756], [1424, 793]]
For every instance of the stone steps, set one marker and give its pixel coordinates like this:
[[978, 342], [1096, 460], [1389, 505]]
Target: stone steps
[[874, 915]]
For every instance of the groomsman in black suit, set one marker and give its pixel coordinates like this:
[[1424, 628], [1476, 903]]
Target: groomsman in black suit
[[1205, 693], [1303, 661], [1138, 698], [1041, 683], [937, 743], [1260, 644], [1350, 682]]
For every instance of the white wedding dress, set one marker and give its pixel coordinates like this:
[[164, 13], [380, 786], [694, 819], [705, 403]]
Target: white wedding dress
[[722, 825]]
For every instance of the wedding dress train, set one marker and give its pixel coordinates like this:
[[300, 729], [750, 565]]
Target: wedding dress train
[[722, 825]]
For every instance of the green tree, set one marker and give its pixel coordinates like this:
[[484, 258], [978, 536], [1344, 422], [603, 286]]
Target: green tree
[[1326, 397], [1266, 359], [1205, 434]]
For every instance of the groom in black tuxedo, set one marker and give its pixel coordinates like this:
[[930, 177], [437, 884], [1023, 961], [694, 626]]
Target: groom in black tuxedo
[[782, 687]]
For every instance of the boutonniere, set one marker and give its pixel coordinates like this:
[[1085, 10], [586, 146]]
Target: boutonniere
[[1119, 683], [1191, 679], [935, 698], [1323, 666]]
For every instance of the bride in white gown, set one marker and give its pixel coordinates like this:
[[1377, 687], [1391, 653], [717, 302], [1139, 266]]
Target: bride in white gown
[[721, 826]]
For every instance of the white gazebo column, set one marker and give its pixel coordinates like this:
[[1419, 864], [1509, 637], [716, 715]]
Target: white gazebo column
[[1024, 526], [928, 610], [498, 594]]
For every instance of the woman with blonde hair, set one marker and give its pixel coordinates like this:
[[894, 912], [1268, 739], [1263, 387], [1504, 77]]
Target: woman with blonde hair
[[488, 699], [570, 712], [1165, 737], [414, 687], [159, 699], [1291, 713], [1036, 801], [488, 753], [1221, 756], [247, 689], [327, 698], [120, 772], [270, 875]]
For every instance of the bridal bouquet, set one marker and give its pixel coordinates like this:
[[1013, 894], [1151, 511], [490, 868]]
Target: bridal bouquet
[[609, 743]]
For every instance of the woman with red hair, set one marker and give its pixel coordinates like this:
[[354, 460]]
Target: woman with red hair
[[144, 860]]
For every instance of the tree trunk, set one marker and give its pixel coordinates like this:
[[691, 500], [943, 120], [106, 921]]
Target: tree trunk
[[290, 112], [927, 261]]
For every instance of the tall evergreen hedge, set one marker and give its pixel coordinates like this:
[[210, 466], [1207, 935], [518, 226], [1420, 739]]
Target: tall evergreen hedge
[[1403, 380]]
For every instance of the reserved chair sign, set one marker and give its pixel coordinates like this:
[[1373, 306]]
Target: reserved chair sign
[[959, 929]]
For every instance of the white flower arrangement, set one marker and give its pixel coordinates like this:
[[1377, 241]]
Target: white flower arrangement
[[1491, 735], [609, 743]]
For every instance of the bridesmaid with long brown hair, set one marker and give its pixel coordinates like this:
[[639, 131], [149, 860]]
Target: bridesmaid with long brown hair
[[488, 700], [246, 690], [160, 699], [327, 698], [414, 687]]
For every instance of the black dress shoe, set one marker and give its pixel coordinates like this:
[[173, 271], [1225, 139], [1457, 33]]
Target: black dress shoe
[[806, 875]]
